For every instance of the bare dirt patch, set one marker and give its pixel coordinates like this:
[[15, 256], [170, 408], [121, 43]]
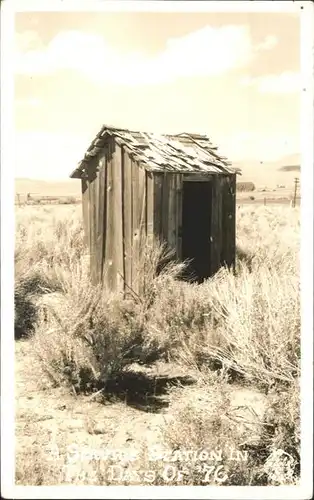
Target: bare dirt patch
[[54, 419]]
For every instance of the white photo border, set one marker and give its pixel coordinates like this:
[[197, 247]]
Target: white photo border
[[9, 490]]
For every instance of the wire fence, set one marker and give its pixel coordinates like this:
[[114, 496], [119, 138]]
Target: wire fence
[[269, 201], [22, 199]]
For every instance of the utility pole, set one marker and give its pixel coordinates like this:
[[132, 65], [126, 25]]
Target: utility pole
[[296, 184]]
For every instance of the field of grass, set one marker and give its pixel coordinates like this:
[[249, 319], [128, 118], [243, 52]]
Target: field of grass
[[185, 385]]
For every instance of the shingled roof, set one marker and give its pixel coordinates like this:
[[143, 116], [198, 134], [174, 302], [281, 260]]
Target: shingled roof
[[181, 153]]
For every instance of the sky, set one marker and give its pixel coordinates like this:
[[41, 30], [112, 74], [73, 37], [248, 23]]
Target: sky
[[232, 76]]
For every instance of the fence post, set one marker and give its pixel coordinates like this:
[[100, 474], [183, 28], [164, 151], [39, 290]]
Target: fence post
[[264, 201], [296, 183]]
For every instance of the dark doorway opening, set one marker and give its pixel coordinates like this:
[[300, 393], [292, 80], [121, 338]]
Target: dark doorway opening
[[196, 218]]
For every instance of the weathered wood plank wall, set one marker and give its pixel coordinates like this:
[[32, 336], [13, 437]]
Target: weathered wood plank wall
[[232, 222], [135, 223], [142, 210], [229, 221], [157, 192], [85, 196], [216, 224], [101, 239], [150, 206], [127, 218], [179, 200], [94, 215], [171, 218], [123, 205], [117, 216], [90, 188], [109, 248], [165, 206]]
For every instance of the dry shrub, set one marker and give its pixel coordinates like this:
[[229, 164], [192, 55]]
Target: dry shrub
[[202, 423], [269, 236], [33, 469], [155, 269], [178, 319], [245, 186], [93, 333], [246, 324], [282, 434], [45, 249], [249, 322], [84, 334], [204, 419], [90, 337], [260, 328]]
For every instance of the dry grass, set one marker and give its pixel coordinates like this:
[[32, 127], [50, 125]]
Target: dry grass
[[237, 334]]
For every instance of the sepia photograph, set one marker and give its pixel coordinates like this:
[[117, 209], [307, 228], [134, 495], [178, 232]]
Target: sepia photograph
[[158, 206]]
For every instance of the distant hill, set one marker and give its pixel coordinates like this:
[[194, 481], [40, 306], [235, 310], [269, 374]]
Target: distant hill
[[290, 168], [270, 173], [67, 187]]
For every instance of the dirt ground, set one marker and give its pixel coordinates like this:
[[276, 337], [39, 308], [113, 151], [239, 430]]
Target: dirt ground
[[62, 438], [53, 417]]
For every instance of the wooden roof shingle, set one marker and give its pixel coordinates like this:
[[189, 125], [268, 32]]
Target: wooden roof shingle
[[180, 153]]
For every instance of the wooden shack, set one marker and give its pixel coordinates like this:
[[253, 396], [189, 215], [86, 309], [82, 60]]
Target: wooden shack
[[176, 188]]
